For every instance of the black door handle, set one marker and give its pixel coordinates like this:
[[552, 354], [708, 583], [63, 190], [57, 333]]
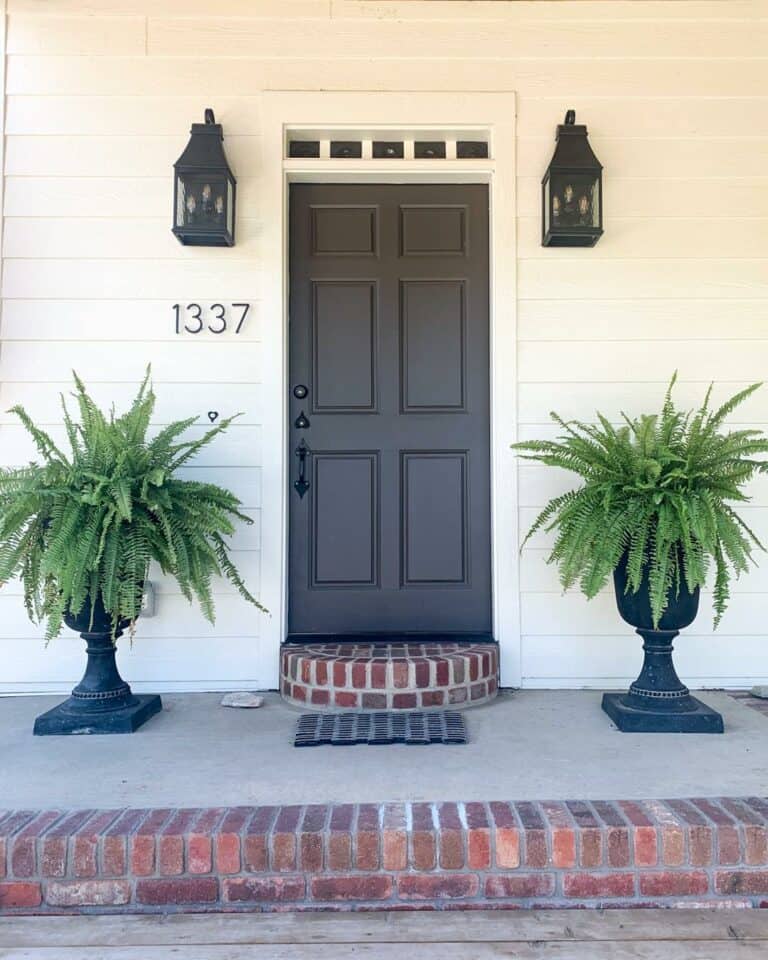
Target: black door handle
[[302, 484]]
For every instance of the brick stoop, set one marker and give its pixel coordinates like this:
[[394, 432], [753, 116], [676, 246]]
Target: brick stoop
[[384, 856], [407, 676]]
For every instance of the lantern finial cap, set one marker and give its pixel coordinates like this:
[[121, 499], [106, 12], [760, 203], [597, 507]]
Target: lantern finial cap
[[209, 117], [570, 117]]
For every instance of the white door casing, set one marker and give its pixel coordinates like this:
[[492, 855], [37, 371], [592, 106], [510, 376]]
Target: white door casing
[[353, 113]]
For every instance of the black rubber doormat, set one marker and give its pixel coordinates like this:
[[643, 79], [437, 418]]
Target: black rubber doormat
[[415, 727]]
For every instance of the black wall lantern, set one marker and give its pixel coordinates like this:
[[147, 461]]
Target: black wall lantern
[[204, 189], [572, 190]]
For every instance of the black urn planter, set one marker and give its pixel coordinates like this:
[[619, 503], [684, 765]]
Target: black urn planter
[[658, 702], [102, 702]]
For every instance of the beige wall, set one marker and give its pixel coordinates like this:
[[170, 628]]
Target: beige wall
[[100, 96]]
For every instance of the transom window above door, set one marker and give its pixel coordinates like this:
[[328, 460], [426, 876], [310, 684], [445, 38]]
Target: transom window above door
[[391, 144]]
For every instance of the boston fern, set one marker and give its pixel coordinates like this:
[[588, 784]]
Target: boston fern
[[89, 523], [658, 489]]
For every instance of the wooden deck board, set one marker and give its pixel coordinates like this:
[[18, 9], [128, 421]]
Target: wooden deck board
[[545, 950], [547, 933]]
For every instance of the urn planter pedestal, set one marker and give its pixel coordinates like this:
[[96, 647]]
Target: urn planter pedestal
[[102, 702], [658, 701]]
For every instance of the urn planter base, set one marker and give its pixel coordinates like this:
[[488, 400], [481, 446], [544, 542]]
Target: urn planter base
[[102, 702], [658, 701], [69, 718], [696, 718]]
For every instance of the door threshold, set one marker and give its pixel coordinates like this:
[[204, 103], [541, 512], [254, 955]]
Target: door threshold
[[389, 638]]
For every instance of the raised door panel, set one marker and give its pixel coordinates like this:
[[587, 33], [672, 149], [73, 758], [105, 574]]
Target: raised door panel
[[432, 231], [434, 518], [344, 520], [344, 338], [433, 345], [344, 231]]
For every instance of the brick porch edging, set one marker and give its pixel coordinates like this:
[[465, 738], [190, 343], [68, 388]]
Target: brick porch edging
[[387, 856]]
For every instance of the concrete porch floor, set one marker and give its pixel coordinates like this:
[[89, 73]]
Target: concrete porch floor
[[531, 744]]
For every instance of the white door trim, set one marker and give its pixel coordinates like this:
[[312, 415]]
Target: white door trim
[[357, 111]]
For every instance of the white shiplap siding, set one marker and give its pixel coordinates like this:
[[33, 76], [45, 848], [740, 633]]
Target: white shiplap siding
[[99, 98]]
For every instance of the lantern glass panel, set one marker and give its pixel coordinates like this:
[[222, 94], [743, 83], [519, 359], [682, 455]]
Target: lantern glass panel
[[230, 207], [573, 200], [203, 200]]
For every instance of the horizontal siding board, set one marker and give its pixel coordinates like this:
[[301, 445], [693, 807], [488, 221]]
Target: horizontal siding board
[[139, 156], [39, 196], [644, 279], [694, 157], [544, 615], [61, 35], [35, 362], [659, 200], [537, 117], [405, 9], [175, 401], [115, 239], [644, 360], [608, 320], [656, 117], [248, 563], [240, 36], [580, 400], [554, 10], [126, 116], [119, 320], [182, 8], [539, 577], [566, 660], [528, 76], [176, 617], [239, 446], [110, 198], [156, 662], [215, 279], [635, 238]]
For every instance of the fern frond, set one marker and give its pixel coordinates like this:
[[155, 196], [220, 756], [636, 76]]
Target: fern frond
[[656, 491], [75, 528]]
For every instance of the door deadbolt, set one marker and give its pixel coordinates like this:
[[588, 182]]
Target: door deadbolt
[[300, 391]]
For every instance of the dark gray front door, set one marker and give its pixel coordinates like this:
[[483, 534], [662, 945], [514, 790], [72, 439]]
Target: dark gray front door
[[389, 335]]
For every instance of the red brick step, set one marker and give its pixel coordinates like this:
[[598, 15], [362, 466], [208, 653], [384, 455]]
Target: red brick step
[[697, 852], [389, 676]]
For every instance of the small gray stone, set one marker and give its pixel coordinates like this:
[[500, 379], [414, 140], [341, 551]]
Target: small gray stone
[[760, 691], [242, 698]]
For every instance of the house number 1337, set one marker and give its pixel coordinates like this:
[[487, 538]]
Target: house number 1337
[[216, 318]]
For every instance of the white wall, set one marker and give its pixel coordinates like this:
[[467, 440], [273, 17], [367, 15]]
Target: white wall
[[100, 95]]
